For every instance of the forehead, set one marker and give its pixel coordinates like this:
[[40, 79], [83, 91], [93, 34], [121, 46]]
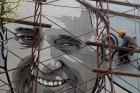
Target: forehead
[[63, 7], [70, 20]]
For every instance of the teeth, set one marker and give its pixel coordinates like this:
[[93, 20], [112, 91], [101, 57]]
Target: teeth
[[55, 83], [45, 82], [38, 80], [50, 83], [60, 83], [41, 81]]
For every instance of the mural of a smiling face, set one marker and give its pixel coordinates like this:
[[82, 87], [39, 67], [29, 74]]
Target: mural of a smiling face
[[65, 64]]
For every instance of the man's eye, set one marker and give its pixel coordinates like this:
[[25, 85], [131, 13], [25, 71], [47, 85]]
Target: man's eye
[[67, 45], [63, 42], [26, 37]]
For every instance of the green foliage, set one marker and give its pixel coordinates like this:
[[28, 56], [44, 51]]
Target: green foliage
[[9, 6]]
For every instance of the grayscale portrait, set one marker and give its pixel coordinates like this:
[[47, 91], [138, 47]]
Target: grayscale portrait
[[66, 63]]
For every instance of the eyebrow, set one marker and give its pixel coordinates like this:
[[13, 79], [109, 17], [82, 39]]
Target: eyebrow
[[70, 38], [23, 30]]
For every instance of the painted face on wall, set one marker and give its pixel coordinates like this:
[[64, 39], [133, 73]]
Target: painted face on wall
[[65, 63]]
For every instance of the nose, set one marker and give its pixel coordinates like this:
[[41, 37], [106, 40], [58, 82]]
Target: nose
[[50, 66], [48, 63]]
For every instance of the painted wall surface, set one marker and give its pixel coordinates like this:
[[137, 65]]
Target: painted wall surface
[[66, 63]]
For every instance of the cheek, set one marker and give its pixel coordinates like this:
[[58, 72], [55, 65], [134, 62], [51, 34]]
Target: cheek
[[87, 56], [86, 59], [81, 66]]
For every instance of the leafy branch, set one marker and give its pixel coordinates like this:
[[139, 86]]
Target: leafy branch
[[9, 6]]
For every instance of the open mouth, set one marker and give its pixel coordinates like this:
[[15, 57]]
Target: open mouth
[[52, 83], [52, 80]]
